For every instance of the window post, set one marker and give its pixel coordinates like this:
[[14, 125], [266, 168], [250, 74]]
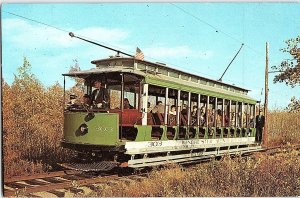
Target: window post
[[198, 110], [166, 106], [189, 109], [145, 104], [178, 108], [206, 114]]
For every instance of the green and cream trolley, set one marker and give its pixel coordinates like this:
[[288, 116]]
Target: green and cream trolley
[[208, 118]]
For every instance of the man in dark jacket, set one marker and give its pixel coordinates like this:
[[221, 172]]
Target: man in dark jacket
[[72, 103], [100, 98], [260, 123]]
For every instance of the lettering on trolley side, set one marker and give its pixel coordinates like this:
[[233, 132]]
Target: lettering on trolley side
[[190, 142], [197, 154], [104, 129], [155, 144]]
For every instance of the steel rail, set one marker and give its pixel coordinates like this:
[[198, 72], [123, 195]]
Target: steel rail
[[62, 185], [39, 176]]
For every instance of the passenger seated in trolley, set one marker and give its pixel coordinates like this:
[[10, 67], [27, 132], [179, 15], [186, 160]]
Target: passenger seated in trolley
[[127, 105], [244, 121], [194, 115], [87, 99], [238, 123], [184, 109], [211, 120], [149, 108], [219, 118], [172, 116], [227, 122], [232, 120], [251, 123], [202, 116], [73, 102], [159, 108], [194, 111], [87, 102], [172, 110]]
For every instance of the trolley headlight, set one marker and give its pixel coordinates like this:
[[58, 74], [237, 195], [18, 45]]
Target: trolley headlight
[[83, 128]]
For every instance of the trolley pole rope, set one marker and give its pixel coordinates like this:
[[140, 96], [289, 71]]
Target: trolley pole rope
[[118, 51]]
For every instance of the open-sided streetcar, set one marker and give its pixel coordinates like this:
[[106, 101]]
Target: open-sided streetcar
[[172, 116]]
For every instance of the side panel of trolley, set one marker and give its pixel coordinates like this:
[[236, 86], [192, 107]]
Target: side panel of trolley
[[91, 128]]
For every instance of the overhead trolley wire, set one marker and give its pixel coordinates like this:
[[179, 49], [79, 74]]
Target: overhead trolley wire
[[36, 21], [214, 27]]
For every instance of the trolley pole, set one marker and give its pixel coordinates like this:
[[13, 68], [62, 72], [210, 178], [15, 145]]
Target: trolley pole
[[265, 134]]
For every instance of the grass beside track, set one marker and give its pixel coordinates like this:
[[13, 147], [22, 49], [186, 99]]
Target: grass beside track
[[263, 175]]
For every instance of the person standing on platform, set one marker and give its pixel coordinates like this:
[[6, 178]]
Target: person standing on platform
[[260, 123]]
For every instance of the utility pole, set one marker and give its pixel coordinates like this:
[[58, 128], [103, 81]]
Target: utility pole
[[265, 134]]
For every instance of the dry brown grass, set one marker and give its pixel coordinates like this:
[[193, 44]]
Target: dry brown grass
[[284, 127], [263, 175]]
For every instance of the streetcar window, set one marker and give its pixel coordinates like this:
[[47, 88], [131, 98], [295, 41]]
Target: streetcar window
[[194, 109], [212, 112], [184, 103], [226, 113], [233, 114], [203, 82], [193, 79], [211, 84], [115, 98], [156, 94], [219, 112], [174, 74], [141, 66], [172, 113], [163, 71], [184, 77], [151, 68], [252, 117], [151, 102], [244, 115], [240, 113], [203, 105]]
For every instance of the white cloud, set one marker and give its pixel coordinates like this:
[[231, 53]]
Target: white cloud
[[176, 51], [27, 35]]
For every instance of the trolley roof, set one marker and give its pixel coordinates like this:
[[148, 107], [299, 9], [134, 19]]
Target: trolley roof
[[159, 72], [162, 65]]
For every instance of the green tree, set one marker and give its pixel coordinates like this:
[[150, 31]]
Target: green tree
[[290, 70]]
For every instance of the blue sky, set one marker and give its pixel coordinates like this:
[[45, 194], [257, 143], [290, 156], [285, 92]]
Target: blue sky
[[200, 38]]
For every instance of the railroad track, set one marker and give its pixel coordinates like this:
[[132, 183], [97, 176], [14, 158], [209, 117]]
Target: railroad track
[[278, 149], [77, 182], [59, 183]]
